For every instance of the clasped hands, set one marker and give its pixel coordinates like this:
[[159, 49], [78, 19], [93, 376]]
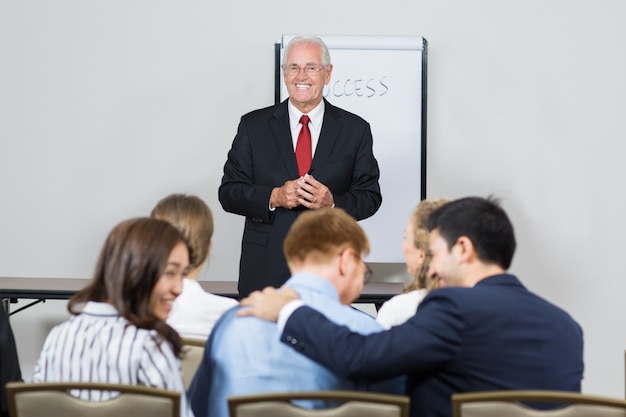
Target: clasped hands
[[304, 191]]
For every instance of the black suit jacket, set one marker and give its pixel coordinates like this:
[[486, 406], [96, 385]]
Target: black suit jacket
[[494, 336], [9, 364], [262, 158]]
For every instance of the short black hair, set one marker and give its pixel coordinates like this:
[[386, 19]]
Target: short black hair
[[483, 221]]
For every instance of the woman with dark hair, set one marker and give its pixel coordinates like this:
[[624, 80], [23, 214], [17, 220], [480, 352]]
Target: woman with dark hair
[[118, 332]]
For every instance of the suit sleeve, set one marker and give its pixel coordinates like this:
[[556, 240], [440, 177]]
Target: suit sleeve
[[238, 192], [424, 343], [363, 198], [9, 364]]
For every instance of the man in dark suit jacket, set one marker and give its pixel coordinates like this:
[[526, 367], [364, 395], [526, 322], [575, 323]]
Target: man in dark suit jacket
[[483, 330], [261, 177]]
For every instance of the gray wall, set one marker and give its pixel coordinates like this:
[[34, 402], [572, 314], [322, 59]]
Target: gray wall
[[525, 99]]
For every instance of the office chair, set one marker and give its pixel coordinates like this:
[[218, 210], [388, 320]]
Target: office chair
[[53, 399], [509, 403], [194, 351], [352, 404]]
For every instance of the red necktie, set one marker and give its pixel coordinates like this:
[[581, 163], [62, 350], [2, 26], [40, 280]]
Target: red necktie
[[304, 155]]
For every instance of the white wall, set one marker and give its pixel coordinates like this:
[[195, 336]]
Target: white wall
[[526, 101]]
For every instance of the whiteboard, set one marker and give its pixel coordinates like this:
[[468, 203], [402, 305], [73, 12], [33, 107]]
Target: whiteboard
[[383, 80]]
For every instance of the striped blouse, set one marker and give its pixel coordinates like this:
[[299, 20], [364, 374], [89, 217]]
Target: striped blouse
[[99, 345]]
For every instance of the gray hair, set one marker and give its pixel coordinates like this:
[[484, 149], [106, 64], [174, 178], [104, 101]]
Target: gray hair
[[312, 40]]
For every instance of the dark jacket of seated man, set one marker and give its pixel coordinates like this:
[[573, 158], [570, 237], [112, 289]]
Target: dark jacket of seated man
[[494, 336]]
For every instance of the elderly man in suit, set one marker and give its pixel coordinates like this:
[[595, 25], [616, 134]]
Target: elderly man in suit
[[482, 331], [282, 163]]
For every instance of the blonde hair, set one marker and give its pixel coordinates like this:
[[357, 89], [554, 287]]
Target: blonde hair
[[193, 219], [420, 241]]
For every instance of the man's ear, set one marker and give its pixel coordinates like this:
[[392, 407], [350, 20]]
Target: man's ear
[[344, 261], [466, 249]]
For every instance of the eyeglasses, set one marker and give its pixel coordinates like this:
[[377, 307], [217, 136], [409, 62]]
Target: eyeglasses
[[367, 277], [310, 70]]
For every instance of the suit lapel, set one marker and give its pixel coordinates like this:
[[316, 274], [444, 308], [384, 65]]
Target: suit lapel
[[331, 128], [279, 124]]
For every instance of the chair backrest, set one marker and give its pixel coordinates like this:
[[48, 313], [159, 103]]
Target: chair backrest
[[53, 399], [510, 403], [194, 351], [351, 404]]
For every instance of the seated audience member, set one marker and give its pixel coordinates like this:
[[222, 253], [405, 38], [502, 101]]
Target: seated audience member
[[324, 250], [9, 364], [117, 333], [401, 307], [483, 330], [195, 311]]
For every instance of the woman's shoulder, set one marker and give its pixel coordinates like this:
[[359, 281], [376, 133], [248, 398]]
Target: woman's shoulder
[[406, 297], [197, 297], [400, 308]]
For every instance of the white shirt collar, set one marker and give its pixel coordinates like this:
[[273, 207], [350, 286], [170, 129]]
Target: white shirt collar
[[316, 115]]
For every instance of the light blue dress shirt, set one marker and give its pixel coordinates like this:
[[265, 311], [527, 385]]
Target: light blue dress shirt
[[245, 356]]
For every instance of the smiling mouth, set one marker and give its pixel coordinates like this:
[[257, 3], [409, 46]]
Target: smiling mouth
[[302, 86]]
